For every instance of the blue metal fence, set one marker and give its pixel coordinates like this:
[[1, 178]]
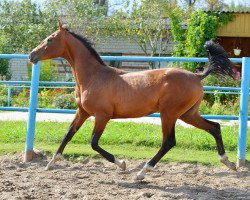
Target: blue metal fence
[[244, 90], [243, 116]]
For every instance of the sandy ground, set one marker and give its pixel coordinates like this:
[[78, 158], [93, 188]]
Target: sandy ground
[[97, 179]]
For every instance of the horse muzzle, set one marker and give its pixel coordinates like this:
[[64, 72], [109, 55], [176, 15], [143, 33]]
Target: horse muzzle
[[33, 57]]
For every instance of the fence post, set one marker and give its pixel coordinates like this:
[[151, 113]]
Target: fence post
[[243, 116], [9, 94], [32, 112]]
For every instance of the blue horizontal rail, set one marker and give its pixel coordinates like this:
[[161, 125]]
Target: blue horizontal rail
[[17, 56], [40, 83], [166, 59], [18, 109]]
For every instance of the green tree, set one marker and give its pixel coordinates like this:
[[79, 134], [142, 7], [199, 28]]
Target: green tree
[[209, 5], [4, 63], [146, 25], [201, 27], [85, 16], [214, 5], [178, 20], [24, 25]]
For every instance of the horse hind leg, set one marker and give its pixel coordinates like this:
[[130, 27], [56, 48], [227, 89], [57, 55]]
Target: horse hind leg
[[193, 117], [79, 119], [168, 142]]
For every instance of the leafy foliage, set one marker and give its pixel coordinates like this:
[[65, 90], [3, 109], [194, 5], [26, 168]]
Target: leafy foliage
[[4, 68], [214, 5], [47, 98], [24, 24], [178, 31], [4, 63], [81, 15], [146, 25], [3, 95], [65, 101], [201, 27]]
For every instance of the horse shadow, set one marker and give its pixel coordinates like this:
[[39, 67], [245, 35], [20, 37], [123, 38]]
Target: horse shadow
[[242, 172], [185, 191]]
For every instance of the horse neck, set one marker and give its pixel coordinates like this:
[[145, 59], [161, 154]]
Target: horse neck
[[83, 64]]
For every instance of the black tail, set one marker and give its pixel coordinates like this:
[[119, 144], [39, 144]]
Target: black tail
[[219, 63]]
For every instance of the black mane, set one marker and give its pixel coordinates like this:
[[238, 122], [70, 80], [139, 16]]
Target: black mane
[[88, 45]]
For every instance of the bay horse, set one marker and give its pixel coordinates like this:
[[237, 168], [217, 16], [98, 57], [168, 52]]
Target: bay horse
[[107, 93]]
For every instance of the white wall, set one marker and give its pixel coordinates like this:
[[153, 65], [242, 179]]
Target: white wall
[[18, 68]]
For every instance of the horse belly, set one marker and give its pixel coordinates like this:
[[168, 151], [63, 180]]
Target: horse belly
[[136, 98], [135, 108]]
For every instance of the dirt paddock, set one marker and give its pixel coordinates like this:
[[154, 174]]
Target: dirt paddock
[[98, 179]]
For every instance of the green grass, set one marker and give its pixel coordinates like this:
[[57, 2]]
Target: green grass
[[127, 140], [81, 151]]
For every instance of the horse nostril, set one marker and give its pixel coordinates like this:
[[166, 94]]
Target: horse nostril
[[30, 56], [33, 57]]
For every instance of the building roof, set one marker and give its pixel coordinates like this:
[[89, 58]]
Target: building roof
[[231, 11]]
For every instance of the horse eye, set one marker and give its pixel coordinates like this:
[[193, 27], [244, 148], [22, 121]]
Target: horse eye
[[49, 40]]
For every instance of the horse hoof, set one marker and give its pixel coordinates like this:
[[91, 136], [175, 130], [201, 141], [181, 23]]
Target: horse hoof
[[48, 167], [139, 177], [232, 166], [229, 164], [123, 165]]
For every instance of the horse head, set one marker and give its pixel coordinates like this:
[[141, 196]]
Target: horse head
[[51, 47]]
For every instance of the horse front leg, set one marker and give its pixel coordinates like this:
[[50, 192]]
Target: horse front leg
[[100, 124], [80, 117]]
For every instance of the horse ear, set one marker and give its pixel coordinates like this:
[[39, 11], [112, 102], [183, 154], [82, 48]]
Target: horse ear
[[60, 26]]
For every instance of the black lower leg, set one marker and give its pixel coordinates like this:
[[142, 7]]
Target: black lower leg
[[216, 133], [166, 146], [95, 146], [68, 136]]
